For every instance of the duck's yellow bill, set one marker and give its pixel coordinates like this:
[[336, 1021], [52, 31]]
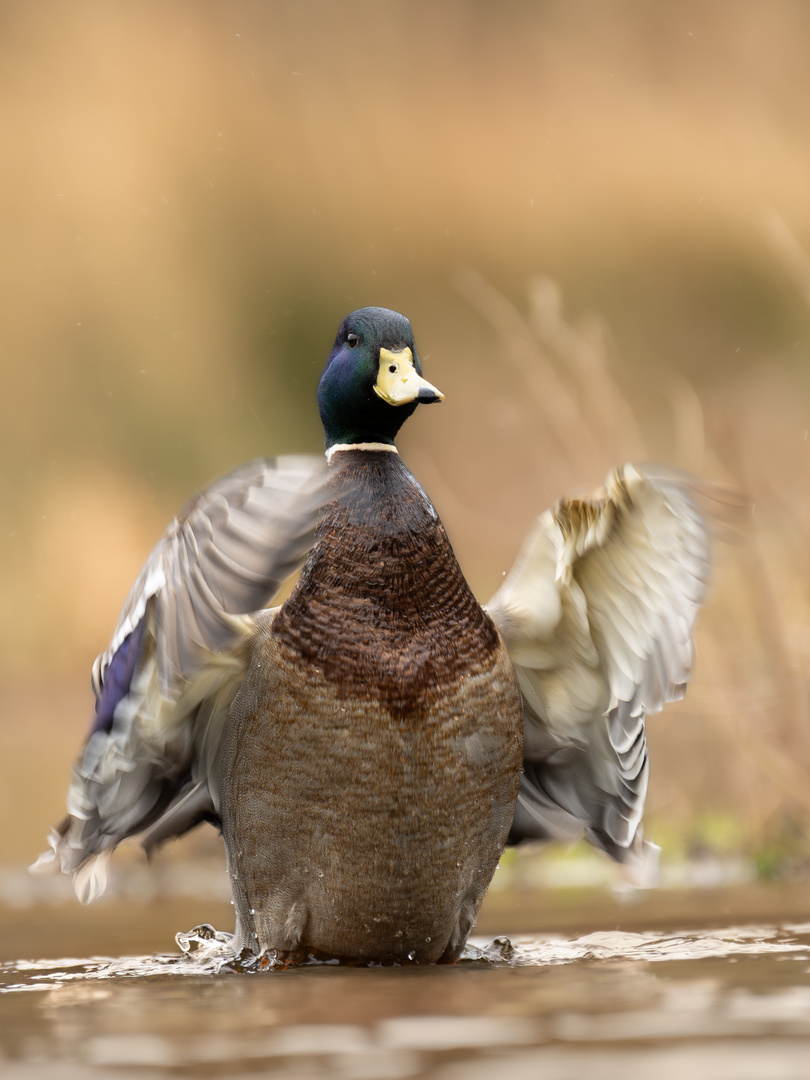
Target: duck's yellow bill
[[398, 381]]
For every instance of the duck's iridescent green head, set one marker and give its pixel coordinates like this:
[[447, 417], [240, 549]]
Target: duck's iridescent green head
[[372, 381]]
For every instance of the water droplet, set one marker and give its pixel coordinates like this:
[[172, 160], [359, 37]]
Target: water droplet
[[398, 933], [320, 873], [253, 911], [427, 939], [412, 954]]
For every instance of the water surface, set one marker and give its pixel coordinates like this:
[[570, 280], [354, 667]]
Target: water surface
[[730, 1002]]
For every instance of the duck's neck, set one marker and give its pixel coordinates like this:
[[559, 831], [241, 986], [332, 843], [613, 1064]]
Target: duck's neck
[[378, 498]]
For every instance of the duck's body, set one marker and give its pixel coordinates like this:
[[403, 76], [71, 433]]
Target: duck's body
[[376, 737], [360, 746]]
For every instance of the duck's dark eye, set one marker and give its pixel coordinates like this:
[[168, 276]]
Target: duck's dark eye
[[352, 340], [392, 368]]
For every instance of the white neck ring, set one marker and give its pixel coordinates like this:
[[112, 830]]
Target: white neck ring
[[360, 446]]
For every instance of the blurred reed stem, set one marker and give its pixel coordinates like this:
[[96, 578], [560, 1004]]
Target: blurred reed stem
[[581, 396]]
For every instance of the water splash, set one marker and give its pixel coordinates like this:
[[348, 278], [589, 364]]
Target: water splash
[[205, 951], [650, 946]]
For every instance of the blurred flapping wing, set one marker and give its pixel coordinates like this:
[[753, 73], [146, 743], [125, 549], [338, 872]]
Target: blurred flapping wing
[[597, 614], [176, 659]]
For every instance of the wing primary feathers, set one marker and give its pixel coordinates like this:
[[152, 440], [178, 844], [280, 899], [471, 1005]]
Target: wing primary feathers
[[598, 614], [175, 662]]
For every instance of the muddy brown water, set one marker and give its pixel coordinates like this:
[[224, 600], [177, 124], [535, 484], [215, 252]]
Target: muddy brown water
[[707, 983]]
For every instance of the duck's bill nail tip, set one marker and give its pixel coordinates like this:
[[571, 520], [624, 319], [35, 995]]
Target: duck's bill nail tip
[[428, 397]]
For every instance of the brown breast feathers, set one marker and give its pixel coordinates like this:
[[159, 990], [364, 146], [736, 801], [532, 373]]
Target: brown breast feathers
[[381, 606]]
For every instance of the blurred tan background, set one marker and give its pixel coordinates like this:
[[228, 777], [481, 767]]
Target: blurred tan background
[[596, 216]]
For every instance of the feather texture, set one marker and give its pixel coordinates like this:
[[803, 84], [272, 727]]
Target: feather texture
[[176, 659], [597, 614]]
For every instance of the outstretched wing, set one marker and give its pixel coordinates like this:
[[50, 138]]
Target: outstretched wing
[[597, 614], [176, 659]]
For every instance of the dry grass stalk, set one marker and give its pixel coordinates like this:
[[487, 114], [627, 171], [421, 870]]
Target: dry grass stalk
[[761, 721]]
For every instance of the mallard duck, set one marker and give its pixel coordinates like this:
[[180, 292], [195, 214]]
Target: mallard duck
[[370, 746]]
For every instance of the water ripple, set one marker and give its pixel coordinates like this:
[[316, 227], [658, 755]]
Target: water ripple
[[205, 951]]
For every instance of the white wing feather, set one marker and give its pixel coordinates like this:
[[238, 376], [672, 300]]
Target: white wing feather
[[597, 614]]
